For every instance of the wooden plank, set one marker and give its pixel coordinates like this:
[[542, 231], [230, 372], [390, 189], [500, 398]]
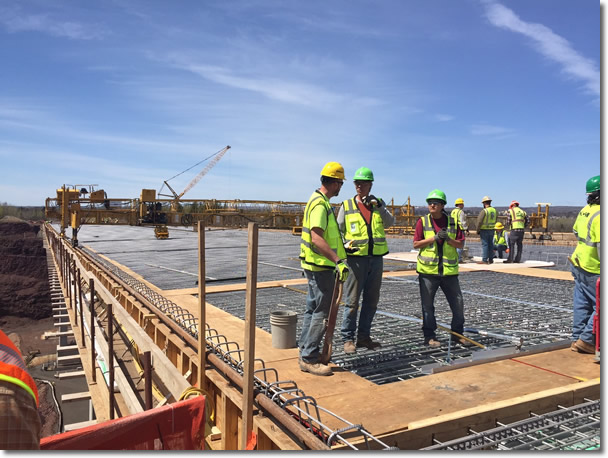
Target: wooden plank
[[230, 414], [71, 397], [71, 374], [66, 348], [69, 358], [82, 424]]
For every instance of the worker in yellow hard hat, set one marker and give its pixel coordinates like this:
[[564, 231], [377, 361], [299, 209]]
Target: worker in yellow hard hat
[[500, 239], [517, 219], [459, 215], [486, 221], [322, 256], [586, 271]]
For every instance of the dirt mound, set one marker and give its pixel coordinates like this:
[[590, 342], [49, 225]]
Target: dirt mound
[[24, 287]]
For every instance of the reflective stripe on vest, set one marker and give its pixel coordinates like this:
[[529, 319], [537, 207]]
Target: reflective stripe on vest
[[357, 230], [310, 257], [518, 218], [12, 367], [489, 219], [456, 215], [501, 240], [585, 254], [428, 257]]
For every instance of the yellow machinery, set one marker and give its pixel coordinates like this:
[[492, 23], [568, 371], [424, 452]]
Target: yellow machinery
[[161, 231]]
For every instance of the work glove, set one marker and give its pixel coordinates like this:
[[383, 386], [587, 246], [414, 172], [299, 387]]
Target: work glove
[[341, 270], [441, 235], [373, 201], [350, 249]]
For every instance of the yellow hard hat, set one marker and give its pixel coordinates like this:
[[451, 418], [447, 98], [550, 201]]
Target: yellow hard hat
[[459, 201], [333, 170], [499, 226], [486, 199]]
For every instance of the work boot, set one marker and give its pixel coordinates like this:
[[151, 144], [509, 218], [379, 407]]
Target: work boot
[[461, 341], [584, 347], [368, 343], [573, 347], [349, 347], [432, 343], [315, 368]]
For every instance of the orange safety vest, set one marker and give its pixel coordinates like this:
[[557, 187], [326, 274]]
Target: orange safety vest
[[12, 367]]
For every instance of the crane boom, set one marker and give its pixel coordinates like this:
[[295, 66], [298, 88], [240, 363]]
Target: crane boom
[[203, 172]]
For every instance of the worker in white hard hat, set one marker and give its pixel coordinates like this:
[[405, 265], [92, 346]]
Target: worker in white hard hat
[[500, 240], [517, 219], [486, 220], [323, 258], [459, 215]]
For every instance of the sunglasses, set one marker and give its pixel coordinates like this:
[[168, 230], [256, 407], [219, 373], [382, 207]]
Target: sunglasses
[[435, 202]]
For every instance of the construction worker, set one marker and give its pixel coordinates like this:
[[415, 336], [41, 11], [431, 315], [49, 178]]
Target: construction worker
[[486, 220], [362, 221], [322, 257], [586, 269], [500, 239], [517, 219], [459, 215], [437, 237], [19, 419]]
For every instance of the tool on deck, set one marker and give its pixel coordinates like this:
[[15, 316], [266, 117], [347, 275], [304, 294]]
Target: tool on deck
[[331, 321]]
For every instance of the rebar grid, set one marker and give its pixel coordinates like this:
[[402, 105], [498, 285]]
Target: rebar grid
[[498, 315], [304, 408], [569, 428]]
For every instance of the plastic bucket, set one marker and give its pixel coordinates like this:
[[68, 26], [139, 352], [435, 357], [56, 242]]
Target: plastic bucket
[[283, 324]]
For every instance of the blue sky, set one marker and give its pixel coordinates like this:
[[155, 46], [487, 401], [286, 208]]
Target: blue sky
[[472, 97]]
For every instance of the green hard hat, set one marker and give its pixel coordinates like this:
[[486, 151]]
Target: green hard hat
[[364, 174], [593, 184], [437, 194]]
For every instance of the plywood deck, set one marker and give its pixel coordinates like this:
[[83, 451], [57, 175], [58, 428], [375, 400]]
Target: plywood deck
[[408, 402]]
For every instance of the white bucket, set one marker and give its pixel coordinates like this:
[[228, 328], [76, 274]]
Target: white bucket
[[283, 324]]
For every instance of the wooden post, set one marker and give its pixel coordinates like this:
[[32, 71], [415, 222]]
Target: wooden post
[[249, 359], [92, 305], [148, 379], [73, 268], [68, 269], [111, 358], [81, 311], [202, 346]]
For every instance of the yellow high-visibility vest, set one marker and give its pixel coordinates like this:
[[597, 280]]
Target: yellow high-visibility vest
[[310, 258], [357, 230]]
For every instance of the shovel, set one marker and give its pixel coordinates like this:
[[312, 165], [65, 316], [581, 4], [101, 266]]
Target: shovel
[[331, 322]]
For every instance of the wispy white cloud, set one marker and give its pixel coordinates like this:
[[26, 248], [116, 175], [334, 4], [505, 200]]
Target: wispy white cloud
[[15, 22], [443, 117], [294, 92], [549, 44], [489, 130]]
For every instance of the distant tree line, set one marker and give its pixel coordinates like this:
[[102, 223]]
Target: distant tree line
[[25, 213]]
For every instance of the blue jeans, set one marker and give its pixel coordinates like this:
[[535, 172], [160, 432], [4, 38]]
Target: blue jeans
[[459, 251], [516, 239], [501, 249], [318, 302], [487, 242], [365, 276], [429, 284], [584, 304]]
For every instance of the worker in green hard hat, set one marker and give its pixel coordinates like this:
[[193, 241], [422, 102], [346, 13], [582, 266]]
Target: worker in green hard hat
[[362, 220], [586, 269], [437, 237]]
